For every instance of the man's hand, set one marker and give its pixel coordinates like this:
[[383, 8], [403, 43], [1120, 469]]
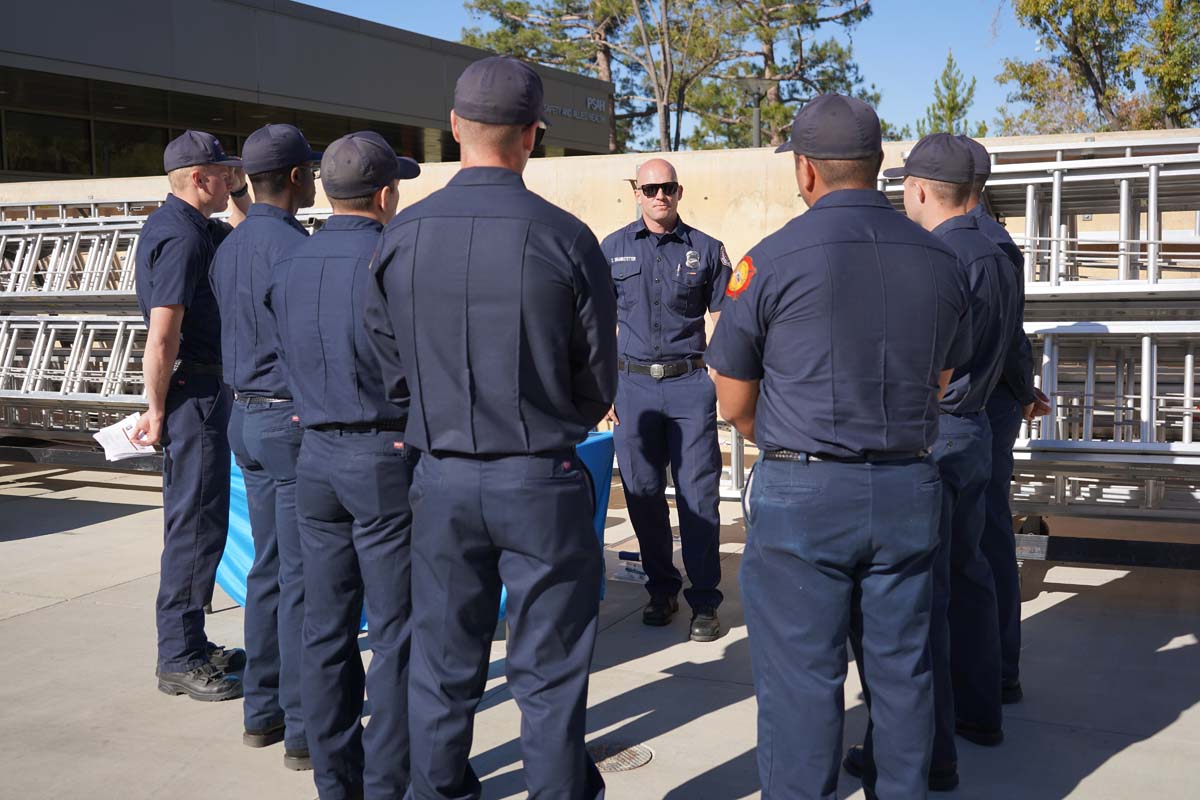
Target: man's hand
[[1040, 406], [611, 416], [148, 430]]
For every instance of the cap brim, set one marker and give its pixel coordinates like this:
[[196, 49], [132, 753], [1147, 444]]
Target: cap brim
[[894, 172], [314, 157], [785, 147], [407, 168], [232, 161]]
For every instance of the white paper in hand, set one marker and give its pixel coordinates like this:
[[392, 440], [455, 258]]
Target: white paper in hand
[[117, 440]]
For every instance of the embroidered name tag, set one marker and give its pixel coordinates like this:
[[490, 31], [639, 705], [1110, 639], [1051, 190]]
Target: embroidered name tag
[[616, 259]]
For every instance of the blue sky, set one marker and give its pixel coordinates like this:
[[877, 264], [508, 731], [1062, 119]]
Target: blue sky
[[901, 48]]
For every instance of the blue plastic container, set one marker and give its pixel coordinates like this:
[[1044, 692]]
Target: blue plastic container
[[596, 454]]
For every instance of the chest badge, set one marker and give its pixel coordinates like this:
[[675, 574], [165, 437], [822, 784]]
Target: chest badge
[[692, 259], [740, 278]]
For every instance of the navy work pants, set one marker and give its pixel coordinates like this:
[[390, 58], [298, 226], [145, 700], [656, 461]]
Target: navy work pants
[[265, 438], [999, 545], [964, 637], [526, 522], [195, 514], [833, 550], [355, 535], [672, 423]]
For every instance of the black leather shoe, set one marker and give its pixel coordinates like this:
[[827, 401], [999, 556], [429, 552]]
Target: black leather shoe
[[941, 779], [205, 682], [1011, 692], [264, 737], [705, 625], [226, 659], [297, 760], [976, 734], [659, 610]]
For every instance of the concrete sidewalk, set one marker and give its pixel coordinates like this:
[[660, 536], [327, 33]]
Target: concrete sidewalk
[[1111, 670]]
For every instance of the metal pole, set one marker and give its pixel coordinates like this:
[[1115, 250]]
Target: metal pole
[[1049, 370], [1123, 229], [1147, 389], [1031, 230], [756, 135], [1154, 219], [1189, 392], [1119, 397], [1055, 222], [1089, 393]]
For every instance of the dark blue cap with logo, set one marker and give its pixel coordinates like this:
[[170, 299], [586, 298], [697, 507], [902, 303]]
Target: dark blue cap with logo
[[273, 147], [938, 157], [500, 90], [358, 164], [833, 126], [196, 147], [983, 161]]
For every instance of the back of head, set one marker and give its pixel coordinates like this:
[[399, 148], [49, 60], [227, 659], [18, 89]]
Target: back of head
[[839, 140], [497, 100], [278, 162], [359, 173], [983, 168], [938, 175]]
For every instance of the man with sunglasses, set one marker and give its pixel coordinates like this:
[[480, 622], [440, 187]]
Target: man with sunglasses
[[264, 432], [667, 275]]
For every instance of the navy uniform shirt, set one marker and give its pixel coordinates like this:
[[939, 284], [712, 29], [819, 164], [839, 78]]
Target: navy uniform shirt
[[502, 309], [1018, 364], [174, 252], [241, 278], [846, 315], [318, 297], [995, 313], [664, 284]]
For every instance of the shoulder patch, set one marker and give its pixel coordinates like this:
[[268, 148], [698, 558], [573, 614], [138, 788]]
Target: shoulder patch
[[725, 258], [740, 279]]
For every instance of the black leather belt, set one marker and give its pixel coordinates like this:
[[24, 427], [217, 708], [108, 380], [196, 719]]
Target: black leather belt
[[362, 427], [869, 457], [199, 368], [670, 369], [257, 400]]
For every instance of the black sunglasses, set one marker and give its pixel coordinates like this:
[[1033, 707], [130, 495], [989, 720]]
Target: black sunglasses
[[651, 189], [541, 133]]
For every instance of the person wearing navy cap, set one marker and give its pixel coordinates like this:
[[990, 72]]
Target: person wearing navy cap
[[667, 274], [1014, 399], [837, 335], [188, 409], [964, 634], [264, 432], [352, 480], [501, 309]]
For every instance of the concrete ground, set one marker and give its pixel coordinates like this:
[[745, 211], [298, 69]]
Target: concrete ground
[[1111, 669]]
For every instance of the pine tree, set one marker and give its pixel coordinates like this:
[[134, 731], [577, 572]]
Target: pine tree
[[952, 99]]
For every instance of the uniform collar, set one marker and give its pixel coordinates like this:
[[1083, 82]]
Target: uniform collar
[[682, 232], [187, 211], [978, 211], [486, 176], [843, 198], [351, 222], [955, 223], [273, 212]]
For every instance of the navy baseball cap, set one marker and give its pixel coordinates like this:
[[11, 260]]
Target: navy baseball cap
[[938, 157], [833, 126], [983, 161], [274, 147], [500, 90], [196, 147], [358, 164]]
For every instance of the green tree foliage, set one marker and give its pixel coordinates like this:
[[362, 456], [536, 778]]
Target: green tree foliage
[[1170, 59], [952, 100]]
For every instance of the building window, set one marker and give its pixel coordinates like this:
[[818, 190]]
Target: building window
[[55, 145], [124, 151]]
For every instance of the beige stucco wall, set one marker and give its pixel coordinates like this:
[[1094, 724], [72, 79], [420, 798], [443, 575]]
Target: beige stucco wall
[[738, 196]]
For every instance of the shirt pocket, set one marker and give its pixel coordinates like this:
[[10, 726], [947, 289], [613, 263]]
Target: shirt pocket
[[687, 291], [623, 275]]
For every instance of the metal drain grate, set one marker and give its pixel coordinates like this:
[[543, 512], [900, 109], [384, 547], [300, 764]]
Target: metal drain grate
[[618, 757]]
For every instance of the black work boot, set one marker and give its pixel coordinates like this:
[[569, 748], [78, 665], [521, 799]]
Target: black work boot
[[1011, 692], [706, 627], [297, 759], [941, 779], [204, 682], [659, 610], [263, 737], [226, 659]]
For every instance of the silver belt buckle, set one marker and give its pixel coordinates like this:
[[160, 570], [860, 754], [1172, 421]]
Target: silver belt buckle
[[657, 371]]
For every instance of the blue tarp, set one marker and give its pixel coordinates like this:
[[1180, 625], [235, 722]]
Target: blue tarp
[[596, 453]]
